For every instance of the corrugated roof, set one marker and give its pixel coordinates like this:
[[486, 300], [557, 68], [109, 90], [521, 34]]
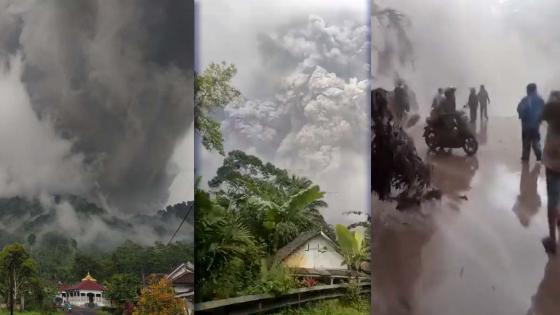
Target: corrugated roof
[[299, 241]]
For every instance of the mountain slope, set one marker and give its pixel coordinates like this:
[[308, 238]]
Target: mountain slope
[[87, 223]]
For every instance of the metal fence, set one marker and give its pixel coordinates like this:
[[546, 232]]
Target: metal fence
[[264, 303]]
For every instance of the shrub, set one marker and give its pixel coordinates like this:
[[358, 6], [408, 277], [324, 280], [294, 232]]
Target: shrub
[[275, 279], [353, 292], [159, 298]]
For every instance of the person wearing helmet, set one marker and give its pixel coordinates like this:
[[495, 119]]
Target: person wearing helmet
[[444, 114]]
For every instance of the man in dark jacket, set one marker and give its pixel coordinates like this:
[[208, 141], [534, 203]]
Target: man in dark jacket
[[449, 105], [530, 110], [473, 104], [484, 100]]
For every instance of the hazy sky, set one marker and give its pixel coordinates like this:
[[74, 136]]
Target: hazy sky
[[303, 70], [502, 44]]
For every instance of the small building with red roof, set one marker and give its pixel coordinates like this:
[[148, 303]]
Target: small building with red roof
[[87, 292]]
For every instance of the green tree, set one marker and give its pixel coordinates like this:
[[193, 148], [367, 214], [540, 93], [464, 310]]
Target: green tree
[[131, 258], [286, 219], [226, 252], [122, 287], [17, 272], [163, 257], [54, 255], [351, 245], [268, 199], [84, 263], [401, 48], [213, 90], [242, 174]]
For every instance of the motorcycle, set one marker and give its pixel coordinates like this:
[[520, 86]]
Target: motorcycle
[[450, 131]]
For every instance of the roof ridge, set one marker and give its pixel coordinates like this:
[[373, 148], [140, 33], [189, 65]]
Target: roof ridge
[[289, 248]]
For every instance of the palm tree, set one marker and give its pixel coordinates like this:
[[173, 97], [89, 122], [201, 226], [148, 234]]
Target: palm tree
[[352, 246], [220, 235], [286, 217], [225, 247], [401, 50]]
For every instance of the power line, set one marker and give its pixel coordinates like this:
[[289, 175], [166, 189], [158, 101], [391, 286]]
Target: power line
[[182, 222]]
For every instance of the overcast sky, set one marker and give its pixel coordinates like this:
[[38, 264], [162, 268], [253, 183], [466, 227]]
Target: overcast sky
[[504, 44], [303, 71]]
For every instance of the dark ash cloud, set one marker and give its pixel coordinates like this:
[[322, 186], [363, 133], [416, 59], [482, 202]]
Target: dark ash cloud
[[114, 79]]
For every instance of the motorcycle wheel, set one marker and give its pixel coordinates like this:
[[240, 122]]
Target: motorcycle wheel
[[431, 140], [470, 145]]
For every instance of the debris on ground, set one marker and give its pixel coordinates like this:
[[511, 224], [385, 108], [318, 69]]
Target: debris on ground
[[395, 163]]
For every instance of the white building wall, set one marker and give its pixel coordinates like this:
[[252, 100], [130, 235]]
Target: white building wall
[[317, 253], [84, 300]]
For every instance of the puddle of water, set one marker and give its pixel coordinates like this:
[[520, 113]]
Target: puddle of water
[[476, 256]]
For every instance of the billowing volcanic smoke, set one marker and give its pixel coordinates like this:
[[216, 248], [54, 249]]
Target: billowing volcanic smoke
[[319, 103], [113, 81], [305, 105]]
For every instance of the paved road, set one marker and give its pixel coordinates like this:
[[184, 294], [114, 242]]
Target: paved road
[[81, 311], [480, 255]]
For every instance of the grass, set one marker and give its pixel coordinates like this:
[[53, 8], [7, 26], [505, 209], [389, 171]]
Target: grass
[[102, 313], [4, 312], [330, 307]]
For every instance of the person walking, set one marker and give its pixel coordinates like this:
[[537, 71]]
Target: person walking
[[551, 160], [484, 100], [529, 110], [473, 105]]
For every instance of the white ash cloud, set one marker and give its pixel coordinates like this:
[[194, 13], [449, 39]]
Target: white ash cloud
[[339, 47], [305, 105], [315, 113]]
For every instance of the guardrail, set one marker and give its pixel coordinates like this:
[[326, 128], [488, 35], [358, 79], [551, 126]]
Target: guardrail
[[263, 303]]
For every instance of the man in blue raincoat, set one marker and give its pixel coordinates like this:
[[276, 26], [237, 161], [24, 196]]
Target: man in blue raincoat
[[530, 110]]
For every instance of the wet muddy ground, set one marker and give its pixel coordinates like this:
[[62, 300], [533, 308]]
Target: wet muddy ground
[[478, 250]]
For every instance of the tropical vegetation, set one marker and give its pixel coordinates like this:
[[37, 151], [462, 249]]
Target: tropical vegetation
[[159, 298], [331, 307], [213, 90], [250, 210], [33, 273]]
